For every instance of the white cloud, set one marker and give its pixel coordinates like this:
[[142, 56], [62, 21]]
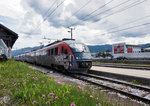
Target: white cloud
[[28, 17], [11, 8]]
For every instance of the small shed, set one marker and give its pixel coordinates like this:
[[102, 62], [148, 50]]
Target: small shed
[[8, 36], [3, 48]]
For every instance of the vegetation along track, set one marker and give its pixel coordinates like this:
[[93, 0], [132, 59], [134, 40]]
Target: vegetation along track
[[134, 91], [120, 89]]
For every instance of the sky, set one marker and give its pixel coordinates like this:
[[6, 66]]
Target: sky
[[96, 22]]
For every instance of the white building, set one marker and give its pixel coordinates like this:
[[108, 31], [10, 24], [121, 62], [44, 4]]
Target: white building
[[147, 49], [128, 51], [125, 48]]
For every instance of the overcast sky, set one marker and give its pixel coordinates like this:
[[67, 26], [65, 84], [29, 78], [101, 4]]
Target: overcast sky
[[106, 25]]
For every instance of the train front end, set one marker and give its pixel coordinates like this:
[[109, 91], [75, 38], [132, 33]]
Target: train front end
[[81, 61]]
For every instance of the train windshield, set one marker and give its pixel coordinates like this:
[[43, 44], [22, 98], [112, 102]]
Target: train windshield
[[78, 47], [80, 51]]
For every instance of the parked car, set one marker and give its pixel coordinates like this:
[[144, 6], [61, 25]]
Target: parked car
[[121, 58]]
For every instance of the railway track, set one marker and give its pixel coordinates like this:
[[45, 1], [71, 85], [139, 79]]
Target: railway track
[[103, 82]]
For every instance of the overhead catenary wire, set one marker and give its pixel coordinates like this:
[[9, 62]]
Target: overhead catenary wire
[[50, 13], [82, 7], [85, 18], [122, 3], [49, 8], [54, 9], [96, 10], [139, 19], [123, 9], [136, 26]]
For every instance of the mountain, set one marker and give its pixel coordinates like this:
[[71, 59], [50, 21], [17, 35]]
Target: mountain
[[20, 51], [92, 48], [99, 48], [145, 45]]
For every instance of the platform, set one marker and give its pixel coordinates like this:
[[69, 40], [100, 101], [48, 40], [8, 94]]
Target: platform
[[142, 76]]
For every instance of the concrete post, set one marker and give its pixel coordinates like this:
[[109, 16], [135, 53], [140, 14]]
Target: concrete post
[[9, 51]]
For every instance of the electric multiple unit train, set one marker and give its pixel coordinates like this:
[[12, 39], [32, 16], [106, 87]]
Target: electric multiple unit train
[[68, 54]]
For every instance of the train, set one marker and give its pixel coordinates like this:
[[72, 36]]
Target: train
[[68, 54], [3, 50]]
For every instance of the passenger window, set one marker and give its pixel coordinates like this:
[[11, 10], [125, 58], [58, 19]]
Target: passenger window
[[48, 52], [65, 51], [62, 49], [56, 51], [52, 51]]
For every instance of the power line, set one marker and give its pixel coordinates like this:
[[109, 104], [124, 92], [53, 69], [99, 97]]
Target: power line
[[128, 28], [51, 12], [95, 10], [82, 7], [123, 9], [139, 19], [49, 8], [85, 18], [108, 9], [55, 9]]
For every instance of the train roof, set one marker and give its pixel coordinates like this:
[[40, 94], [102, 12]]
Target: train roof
[[71, 41], [65, 40]]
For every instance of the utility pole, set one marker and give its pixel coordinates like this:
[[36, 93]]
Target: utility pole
[[49, 39], [71, 29], [57, 3]]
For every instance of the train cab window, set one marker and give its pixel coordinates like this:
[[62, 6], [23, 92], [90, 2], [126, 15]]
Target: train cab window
[[52, 51], [65, 51], [56, 51], [48, 52]]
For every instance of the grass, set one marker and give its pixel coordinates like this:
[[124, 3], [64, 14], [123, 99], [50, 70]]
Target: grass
[[136, 82], [27, 87]]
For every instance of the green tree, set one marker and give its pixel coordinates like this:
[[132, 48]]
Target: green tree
[[103, 54]]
